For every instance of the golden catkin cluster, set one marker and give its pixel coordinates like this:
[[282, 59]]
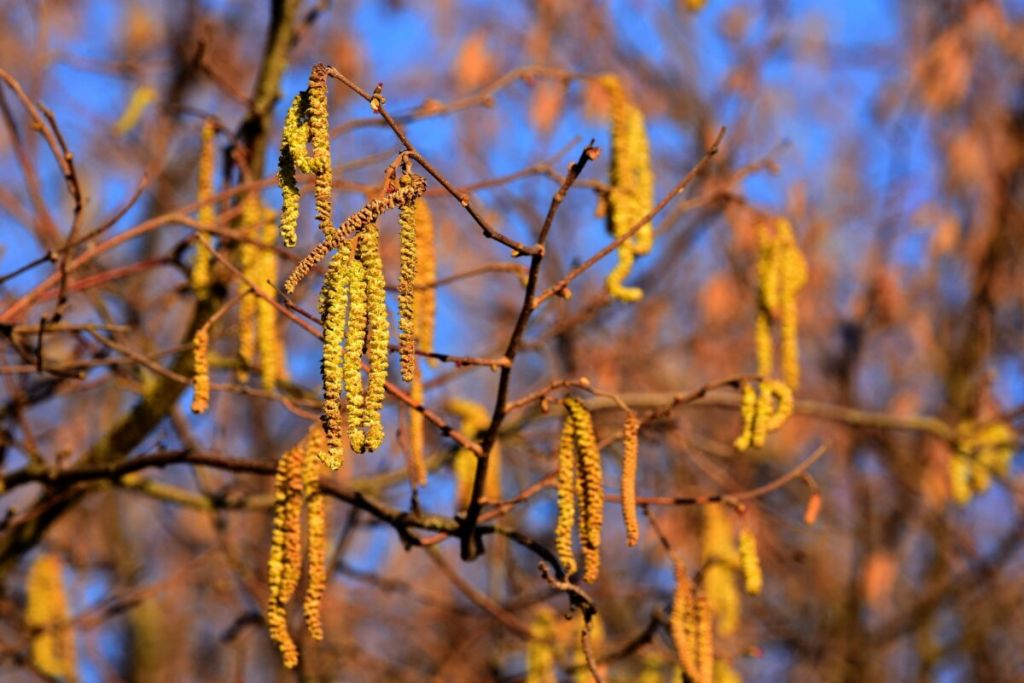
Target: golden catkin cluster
[[48, 619], [580, 491], [632, 187], [297, 486], [474, 420], [406, 288], [630, 453], [201, 370], [983, 449], [257, 316], [781, 274], [207, 214], [306, 123]]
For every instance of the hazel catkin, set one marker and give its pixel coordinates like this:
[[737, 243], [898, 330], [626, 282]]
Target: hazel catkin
[[630, 452], [332, 365], [48, 619], [200, 371], [425, 296], [316, 533], [406, 290], [377, 334], [566, 497], [750, 563], [207, 214]]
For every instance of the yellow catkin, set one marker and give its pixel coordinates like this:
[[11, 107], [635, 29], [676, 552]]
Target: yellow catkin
[[630, 452], [540, 648], [720, 560], [48, 619], [264, 276], [425, 297], [406, 289], [364, 218], [580, 671], [705, 640], [286, 168], [792, 277], [141, 98], [316, 533], [200, 371], [590, 478], [632, 187], [982, 450], [355, 338], [251, 219], [417, 463], [207, 214], [377, 335], [285, 563], [681, 622], [748, 414], [320, 137], [764, 346], [566, 497], [750, 563], [474, 420], [333, 365]]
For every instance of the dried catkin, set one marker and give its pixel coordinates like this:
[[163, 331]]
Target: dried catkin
[[285, 564], [207, 214], [48, 619], [750, 563], [566, 497], [355, 338], [682, 622], [720, 560], [333, 366], [630, 451], [200, 371], [366, 216], [406, 289], [316, 533], [377, 335], [425, 297], [590, 487]]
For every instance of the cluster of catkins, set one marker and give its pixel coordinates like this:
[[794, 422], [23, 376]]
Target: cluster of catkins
[[632, 187], [297, 487], [781, 274]]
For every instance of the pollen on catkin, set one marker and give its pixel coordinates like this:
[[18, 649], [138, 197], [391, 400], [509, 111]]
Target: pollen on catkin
[[287, 165], [417, 464], [200, 371], [377, 334], [285, 564], [48, 619], [630, 452], [320, 137], [705, 639], [748, 414], [207, 214], [425, 296], [333, 366], [590, 487], [474, 420], [406, 289], [750, 563], [316, 533]]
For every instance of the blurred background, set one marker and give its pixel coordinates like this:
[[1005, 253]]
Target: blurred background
[[890, 134]]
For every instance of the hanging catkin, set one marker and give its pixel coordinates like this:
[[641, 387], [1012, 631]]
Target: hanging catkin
[[248, 253], [632, 187], [48, 619], [750, 563], [320, 137], [406, 288], [377, 334], [264, 276], [720, 560], [682, 621], [630, 452], [355, 338], [474, 421], [580, 491], [207, 214], [333, 298], [417, 463], [316, 533], [285, 564], [425, 299], [566, 498], [200, 371]]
